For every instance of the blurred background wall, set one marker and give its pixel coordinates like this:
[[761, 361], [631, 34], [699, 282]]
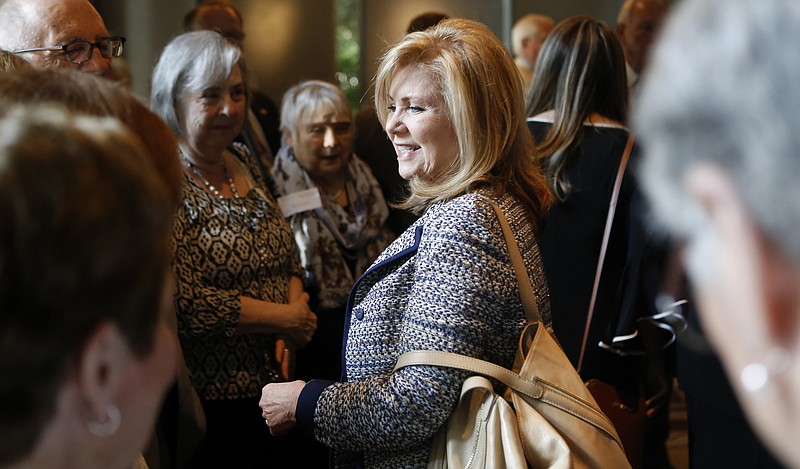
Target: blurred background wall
[[292, 40]]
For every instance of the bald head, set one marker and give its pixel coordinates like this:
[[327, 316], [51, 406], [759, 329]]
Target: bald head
[[27, 24], [528, 34], [637, 26], [221, 17]]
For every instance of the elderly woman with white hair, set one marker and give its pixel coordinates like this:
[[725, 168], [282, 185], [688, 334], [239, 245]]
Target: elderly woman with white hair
[[238, 276], [340, 221]]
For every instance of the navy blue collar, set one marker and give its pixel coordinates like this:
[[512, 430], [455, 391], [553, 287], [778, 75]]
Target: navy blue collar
[[402, 255]]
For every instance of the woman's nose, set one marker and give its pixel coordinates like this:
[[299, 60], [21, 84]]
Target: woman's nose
[[228, 105], [393, 124], [329, 140]]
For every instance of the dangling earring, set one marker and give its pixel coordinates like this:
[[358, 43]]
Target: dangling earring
[[756, 376], [109, 426]]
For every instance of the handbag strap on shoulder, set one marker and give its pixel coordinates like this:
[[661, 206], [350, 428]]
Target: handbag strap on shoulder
[[526, 293], [612, 208], [475, 365]]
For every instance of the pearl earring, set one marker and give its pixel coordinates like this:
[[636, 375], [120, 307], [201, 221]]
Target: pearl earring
[[109, 426], [756, 376]]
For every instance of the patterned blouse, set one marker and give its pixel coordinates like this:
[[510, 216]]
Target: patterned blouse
[[336, 244], [224, 250], [445, 284]]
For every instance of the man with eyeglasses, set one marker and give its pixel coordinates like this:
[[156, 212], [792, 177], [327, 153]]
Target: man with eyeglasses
[[58, 33]]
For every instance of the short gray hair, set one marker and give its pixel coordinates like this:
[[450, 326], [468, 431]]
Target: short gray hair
[[191, 62], [723, 89], [310, 96]]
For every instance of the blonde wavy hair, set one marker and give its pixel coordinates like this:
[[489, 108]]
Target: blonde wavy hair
[[481, 91]]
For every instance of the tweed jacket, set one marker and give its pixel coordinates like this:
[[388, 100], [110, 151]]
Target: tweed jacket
[[445, 284]]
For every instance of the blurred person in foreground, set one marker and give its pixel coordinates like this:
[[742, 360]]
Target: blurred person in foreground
[[84, 353], [460, 144], [180, 424], [240, 302], [718, 119], [92, 95]]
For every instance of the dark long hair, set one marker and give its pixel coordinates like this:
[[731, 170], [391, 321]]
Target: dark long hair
[[580, 71]]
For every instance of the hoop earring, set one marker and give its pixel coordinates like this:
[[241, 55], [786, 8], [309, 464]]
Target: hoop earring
[[109, 427]]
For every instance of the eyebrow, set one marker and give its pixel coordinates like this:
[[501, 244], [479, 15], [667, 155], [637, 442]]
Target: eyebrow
[[429, 101], [71, 39], [332, 124], [404, 98]]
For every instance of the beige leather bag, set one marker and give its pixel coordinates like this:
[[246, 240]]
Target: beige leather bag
[[547, 419]]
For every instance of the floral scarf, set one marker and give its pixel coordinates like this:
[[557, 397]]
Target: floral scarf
[[337, 244]]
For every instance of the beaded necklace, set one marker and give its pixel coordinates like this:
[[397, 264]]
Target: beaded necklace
[[248, 219], [225, 202]]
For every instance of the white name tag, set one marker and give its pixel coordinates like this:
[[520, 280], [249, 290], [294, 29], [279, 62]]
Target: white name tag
[[302, 201]]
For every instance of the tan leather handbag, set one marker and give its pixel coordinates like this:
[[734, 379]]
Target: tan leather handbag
[[547, 418]]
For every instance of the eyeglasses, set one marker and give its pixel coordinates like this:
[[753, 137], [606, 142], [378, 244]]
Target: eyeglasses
[[338, 128], [78, 52]]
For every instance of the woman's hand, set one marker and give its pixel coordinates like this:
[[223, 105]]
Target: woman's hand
[[278, 403], [284, 356], [299, 323], [294, 319]]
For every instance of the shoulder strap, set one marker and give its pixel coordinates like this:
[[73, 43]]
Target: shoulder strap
[[612, 208], [475, 365], [526, 294]]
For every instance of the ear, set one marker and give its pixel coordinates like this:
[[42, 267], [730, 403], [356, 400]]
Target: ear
[[100, 367], [781, 286], [773, 279], [620, 30], [287, 139]]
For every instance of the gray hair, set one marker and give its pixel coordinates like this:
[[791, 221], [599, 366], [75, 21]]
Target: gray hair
[[723, 89], [190, 63], [310, 97]]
